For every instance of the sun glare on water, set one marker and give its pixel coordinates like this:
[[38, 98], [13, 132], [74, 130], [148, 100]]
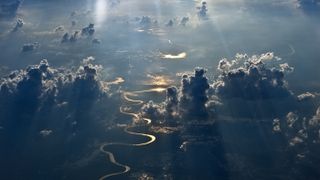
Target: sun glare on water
[[182, 55]]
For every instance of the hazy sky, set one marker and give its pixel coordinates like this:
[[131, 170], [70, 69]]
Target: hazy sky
[[250, 65]]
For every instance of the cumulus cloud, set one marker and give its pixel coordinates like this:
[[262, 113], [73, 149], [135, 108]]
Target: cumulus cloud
[[256, 87], [247, 87], [41, 89], [193, 94], [43, 108], [302, 134], [250, 102], [9, 8], [153, 111], [253, 80], [188, 101]]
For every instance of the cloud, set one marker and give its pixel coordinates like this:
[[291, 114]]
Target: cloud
[[59, 29], [202, 10], [9, 8], [44, 108], [74, 37], [153, 111], [186, 102], [86, 32], [19, 24], [30, 47], [73, 23], [96, 41], [65, 38], [184, 21], [302, 134], [250, 102], [286, 68], [256, 87], [246, 87], [193, 95], [42, 89], [145, 21], [254, 80], [170, 23], [306, 96], [70, 38], [45, 132]]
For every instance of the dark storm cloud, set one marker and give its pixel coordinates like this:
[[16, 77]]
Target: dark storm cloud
[[30, 47], [9, 8]]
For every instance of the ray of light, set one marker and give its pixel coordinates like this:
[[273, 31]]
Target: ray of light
[[100, 12]]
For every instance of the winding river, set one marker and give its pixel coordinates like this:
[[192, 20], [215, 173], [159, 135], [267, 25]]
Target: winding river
[[127, 129]]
